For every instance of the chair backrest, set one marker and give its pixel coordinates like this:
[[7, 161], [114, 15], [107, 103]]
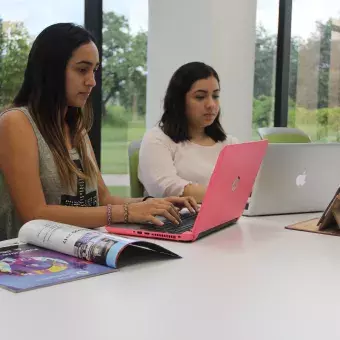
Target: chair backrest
[[283, 135], [136, 187]]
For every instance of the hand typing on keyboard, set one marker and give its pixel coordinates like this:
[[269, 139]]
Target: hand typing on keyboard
[[184, 215], [150, 210], [186, 224]]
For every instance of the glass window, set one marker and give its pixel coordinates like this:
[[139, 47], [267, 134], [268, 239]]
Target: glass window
[[20, 22], [265, 64], [314, 89], [125, 25]]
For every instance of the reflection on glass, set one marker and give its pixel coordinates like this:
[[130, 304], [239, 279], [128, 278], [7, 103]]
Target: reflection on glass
[[20, 22], [314, 92], [124, 87], [265, 64]]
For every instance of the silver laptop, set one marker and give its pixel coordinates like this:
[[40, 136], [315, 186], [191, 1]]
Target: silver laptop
[[295, 178]]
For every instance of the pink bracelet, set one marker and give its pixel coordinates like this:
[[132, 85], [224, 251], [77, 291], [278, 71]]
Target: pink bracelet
[[109, 214]]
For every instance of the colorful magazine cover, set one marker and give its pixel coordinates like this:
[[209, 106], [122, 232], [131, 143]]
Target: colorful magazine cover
[[52, 253], [26, 267]]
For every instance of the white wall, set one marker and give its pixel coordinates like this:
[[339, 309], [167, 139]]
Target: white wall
[[218, 32]]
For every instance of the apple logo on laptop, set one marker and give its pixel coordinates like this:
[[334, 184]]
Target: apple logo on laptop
[[235, 183], [301, 179]]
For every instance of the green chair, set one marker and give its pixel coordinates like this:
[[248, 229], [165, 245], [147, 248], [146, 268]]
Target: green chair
[[283, 135], [136, 187]]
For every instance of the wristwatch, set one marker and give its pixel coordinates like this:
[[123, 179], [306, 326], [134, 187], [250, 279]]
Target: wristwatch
[[147, 197]]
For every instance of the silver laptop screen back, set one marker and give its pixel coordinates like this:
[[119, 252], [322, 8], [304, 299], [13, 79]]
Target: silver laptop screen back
[[296, 177]]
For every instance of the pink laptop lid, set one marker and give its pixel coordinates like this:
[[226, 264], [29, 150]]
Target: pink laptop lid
[[230, 184]]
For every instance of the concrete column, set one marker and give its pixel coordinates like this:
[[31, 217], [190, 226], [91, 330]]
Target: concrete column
[[218, 32]]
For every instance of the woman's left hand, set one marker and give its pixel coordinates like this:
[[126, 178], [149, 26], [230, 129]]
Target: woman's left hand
[[186, 201], [179, 202]]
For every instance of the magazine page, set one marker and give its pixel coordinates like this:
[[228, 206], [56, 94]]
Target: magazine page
[[88, 244], [25, 267], [83, 243]]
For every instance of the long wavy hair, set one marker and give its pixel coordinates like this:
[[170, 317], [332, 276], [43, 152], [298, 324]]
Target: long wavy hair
[[43, 91]]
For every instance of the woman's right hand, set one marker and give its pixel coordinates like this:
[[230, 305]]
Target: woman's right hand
[[144, 212]]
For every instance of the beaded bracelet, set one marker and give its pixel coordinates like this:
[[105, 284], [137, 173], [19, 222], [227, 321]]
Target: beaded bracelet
[[109, 214], [126, 213]]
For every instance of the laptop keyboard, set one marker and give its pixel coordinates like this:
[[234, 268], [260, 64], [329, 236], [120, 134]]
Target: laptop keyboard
[[188, 220]]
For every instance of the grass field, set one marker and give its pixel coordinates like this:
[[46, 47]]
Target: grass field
[[115, 141], [114, 154], [120, 191], [311, 131]]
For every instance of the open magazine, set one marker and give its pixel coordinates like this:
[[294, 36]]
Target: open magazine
[[49, 253]]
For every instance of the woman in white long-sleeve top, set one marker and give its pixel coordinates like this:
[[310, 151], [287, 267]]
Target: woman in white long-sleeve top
[[177, 157]]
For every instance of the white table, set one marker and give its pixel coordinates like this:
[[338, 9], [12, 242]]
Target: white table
[[254, 280]]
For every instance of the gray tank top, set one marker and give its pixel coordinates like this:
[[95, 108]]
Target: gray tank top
[[82, 195]]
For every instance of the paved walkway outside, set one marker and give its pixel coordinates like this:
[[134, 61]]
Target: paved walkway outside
[[117, 180]]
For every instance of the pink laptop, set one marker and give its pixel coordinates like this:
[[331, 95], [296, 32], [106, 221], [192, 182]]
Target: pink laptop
[[229, 188]]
